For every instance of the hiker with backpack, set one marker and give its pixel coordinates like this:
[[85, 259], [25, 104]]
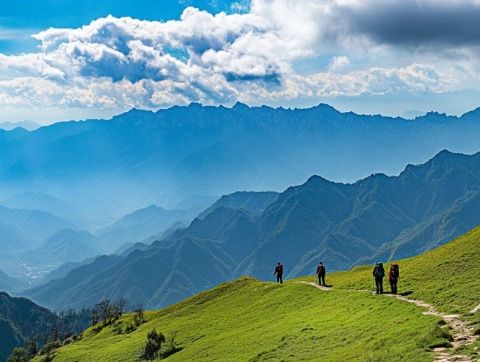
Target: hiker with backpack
[[378, 274], [393, 277], [321, 271], [279, 272]]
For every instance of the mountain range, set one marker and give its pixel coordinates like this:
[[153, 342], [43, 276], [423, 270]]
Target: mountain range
[[39, 233], [141, 224], [107, 168], [29, 200], [97, 176], [379, 217], [28, 125], [10, 284]]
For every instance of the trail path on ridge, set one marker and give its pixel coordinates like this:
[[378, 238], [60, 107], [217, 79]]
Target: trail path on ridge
[[462, 333], [475, 310]]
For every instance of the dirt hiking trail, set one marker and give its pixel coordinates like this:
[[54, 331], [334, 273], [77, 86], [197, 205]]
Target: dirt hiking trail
[[462, 333]]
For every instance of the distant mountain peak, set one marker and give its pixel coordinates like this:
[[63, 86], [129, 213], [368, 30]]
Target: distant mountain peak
[[315, 179], [473, 112], [446, 152], [153, 207], [195, 105], [445, 155], [240, 105], [324, 107]]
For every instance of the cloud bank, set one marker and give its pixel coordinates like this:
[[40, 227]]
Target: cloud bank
[[354, 47]]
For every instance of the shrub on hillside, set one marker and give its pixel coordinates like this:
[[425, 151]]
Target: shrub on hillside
[[152, 347], [159, 347], [117, 327], [139, 316], [50, 346], [130, 328], [106, 313]]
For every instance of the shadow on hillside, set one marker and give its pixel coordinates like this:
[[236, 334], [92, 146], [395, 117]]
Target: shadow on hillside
[[404, 294]]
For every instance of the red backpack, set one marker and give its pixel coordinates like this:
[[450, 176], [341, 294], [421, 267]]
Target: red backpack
[[394, 271]]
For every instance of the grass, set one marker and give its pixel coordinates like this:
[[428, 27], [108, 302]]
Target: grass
[[447, 277], [249, 320]]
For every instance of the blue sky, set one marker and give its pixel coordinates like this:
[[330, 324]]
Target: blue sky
[[21, 18], [65, 59]]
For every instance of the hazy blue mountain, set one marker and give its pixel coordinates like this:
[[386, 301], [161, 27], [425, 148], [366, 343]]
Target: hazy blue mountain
[[68, 287], [22, 231], [30, 200], [27, 125], [12, 239], [65, 246], [252, 202], [9, 284], [38, 225], [342, 224], [63, 270], [111, 167], [128, 248], [140, 225], [166, 234]]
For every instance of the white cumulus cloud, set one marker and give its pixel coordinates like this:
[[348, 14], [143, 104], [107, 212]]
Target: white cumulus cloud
[[251, 56]]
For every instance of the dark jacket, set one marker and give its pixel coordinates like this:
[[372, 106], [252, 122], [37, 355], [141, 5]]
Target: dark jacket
[[321, 270], [378, 271]]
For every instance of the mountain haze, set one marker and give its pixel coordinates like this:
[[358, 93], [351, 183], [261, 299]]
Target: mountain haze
[[342, 224], [141, 224], [110, 167]]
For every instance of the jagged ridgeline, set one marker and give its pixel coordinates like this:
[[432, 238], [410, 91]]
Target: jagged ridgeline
[[379, 217], [251, 320], [139, 158]]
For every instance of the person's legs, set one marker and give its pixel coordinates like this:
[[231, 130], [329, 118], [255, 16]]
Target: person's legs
[[377, 285], [319, 279], [381, 285], [323, 280], [281, 278]]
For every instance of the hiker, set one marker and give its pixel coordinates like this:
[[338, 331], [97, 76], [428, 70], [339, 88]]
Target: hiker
[[321, 274], [279, 272], [378, 274], [393, 277]]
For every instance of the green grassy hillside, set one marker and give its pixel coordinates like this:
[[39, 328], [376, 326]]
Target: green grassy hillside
[[447, 277], [249, 320]]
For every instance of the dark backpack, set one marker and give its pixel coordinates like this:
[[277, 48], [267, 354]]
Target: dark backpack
[[321, 270], [379, 271], [394, 271]]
